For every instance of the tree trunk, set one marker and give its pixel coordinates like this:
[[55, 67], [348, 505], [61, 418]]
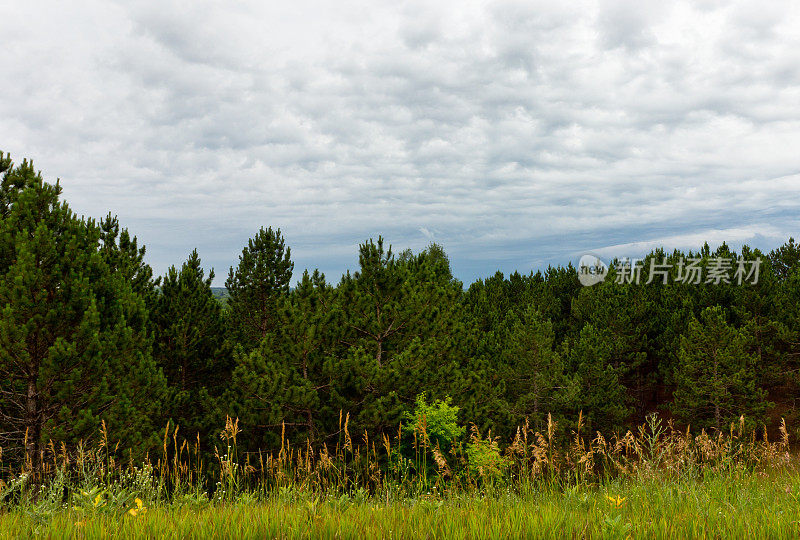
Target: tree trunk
[[32, 425], [717, 414]]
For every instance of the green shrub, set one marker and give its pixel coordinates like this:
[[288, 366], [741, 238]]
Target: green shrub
[[437, 422], [483, 457]]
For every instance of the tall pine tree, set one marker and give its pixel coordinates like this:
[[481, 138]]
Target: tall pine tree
[[282, 384], [190, 344], [74, 347], [256, 286], [533, 369], [716, 374]]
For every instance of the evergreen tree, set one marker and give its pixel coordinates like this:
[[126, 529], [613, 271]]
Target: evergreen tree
[[257, 284], [785, 259], [787, 319], [596, 389], [554, 300], [123, 254], [625, 312], [268, 393], [400, 326], [533, 369], [716, 377], [376, 315], [281, 384], [489, 302], [755, 310], [190, 344], [74, 348]]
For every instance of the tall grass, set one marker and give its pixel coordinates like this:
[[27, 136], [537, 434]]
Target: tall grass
[[722, 506], [655, 481]]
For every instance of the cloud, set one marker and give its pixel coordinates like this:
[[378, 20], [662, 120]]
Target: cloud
[[734, 237], [516, 134], [626, 23]]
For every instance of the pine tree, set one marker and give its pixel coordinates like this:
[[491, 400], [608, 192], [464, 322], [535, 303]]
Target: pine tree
[[371, 299], [554, 300], [624, 311], [597, 389], [269, 395], [785, 259], [280, 384], [400, 322], [787, 318], [716, 377], [123, 254], [190, 344], [255, 287], [74, 348], [756, 311], [534, 371]]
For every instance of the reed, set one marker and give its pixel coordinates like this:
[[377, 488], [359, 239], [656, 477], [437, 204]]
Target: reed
[[301, 489]]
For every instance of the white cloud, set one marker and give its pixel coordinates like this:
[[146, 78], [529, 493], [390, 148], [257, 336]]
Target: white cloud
[[516, 133], [693, 241]]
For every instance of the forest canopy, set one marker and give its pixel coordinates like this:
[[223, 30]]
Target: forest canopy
[[90, 337]]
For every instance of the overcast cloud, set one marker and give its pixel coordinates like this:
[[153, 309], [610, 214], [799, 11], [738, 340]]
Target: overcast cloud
[[516, 134]]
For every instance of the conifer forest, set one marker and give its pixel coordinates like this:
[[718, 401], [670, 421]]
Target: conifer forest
[[121, 390]]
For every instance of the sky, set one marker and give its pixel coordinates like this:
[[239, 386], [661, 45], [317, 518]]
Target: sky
[[515, 134]]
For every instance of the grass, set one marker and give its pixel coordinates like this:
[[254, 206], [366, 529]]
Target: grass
[[727, 506], [656, 482]]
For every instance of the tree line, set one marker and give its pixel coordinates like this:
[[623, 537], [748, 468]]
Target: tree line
[[90, 336]]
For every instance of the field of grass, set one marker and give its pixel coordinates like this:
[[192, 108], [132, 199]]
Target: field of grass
[[729, 506], [655, 483]]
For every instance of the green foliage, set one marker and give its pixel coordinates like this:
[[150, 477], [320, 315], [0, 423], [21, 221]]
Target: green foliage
[[256, 286], [74, 342], [484, 458], [190, 345], [627, 315], [400, 324], [533, 370], [437, 420], [716, 380], [124, 256], [87, 334], [600, 394], [281, 383], [785, 260]]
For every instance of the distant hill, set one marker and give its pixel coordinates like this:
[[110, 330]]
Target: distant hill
[[220, 293]]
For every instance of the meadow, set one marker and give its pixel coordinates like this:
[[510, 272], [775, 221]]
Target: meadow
[[655, 482], [732, 506], [397, 401]]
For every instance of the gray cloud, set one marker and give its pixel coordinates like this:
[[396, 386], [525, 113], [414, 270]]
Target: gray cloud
[[516, 134]]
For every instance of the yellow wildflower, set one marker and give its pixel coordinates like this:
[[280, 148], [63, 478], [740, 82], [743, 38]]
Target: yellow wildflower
[[616, 500], [138, 509]]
